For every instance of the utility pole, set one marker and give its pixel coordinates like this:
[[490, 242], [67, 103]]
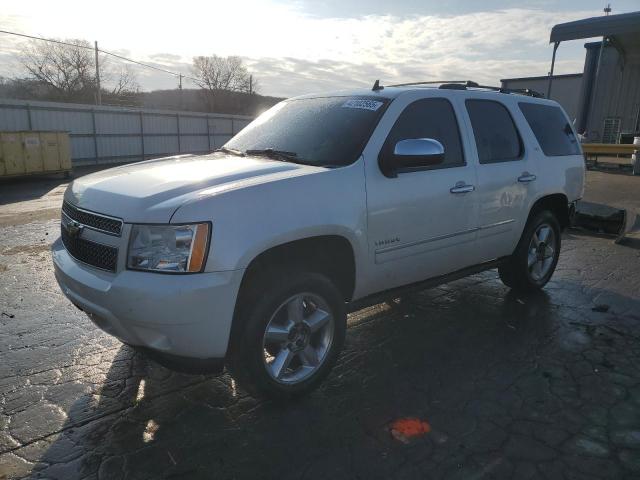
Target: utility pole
[[180, 87], [98, 92], [250, 84], [607, 10]]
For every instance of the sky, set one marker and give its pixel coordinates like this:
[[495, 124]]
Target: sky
[[306, 46]]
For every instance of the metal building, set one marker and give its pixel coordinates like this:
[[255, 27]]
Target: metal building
[[609, 104], [566, 89]]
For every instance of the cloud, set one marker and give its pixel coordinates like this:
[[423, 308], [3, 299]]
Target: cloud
[[167, 58], [292, 76], [315, 54], [291, 52]]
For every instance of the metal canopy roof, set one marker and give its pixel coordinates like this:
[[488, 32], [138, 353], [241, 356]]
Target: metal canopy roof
[[625, 27]]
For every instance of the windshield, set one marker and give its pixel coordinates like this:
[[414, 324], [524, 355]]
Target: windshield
[[329, 131]]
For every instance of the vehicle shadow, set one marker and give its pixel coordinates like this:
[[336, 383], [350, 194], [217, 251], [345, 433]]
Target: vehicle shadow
[[26, 188], [493, 372], [20, 189], [122, 418]]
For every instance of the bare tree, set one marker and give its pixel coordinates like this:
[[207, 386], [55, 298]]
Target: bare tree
[[68, 70], [125, 82], [221, 73]]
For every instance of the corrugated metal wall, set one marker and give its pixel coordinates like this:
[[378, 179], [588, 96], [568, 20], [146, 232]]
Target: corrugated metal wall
[[565, 89], [114, 134], [616, 94]]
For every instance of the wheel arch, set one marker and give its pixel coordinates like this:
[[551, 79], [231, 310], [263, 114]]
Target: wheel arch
[[556, 203], [331, 255]]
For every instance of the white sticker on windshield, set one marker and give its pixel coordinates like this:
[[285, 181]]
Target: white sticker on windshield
[[372, 105]]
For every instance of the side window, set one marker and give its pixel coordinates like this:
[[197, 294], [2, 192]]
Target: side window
[[429, 118], [496, 135], [550, 126]]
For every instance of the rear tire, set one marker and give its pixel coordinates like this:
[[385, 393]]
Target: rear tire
[[292, 329], [534, 260]]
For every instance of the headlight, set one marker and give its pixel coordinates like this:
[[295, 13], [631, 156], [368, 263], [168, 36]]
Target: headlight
[[168, 248]]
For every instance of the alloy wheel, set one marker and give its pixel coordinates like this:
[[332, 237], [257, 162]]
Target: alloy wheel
[[542, 251], [298, 338]]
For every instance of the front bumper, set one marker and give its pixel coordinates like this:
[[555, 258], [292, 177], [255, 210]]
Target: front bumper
[[181, 315]]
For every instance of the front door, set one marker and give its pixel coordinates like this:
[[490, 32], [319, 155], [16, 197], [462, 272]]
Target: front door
[[421, 224]]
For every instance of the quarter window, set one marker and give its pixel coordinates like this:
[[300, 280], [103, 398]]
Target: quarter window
[[550, 126], [429, 118], [497, 138]]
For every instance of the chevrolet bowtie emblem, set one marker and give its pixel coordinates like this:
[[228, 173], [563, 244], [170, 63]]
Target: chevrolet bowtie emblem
[[74, 229]]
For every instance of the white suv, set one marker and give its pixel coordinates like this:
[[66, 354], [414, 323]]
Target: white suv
[[251, 256]]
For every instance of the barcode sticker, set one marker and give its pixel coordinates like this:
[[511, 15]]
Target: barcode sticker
[[372, 105]]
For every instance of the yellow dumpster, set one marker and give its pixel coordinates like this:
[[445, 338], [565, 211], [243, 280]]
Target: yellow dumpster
[[26, 153]]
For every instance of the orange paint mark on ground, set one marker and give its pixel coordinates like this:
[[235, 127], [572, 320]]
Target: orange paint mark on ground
[[405, 429]]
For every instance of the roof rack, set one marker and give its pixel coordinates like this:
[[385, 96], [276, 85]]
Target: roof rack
[[431, 82], [466, 84]]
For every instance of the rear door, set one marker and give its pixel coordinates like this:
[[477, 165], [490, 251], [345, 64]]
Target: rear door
[[506, 176]]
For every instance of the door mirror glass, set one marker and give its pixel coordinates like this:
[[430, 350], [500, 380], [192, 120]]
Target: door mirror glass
[[427, 148], [415, 153]]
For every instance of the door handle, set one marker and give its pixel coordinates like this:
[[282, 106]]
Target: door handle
[[462, 187], [526, 178]]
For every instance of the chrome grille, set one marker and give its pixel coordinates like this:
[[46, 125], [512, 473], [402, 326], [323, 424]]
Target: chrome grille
[[91, 253], [103, 223]]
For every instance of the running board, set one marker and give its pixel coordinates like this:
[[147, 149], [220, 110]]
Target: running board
[[386, 295]]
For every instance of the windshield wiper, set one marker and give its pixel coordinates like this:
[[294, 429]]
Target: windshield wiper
[[232, 151], [275, 154]]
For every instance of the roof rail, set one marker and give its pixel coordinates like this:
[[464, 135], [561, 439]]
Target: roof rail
[[466, 84], [526, 91], [518, 91], [453, 86], [431, 82]]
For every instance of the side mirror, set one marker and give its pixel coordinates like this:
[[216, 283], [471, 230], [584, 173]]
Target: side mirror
[[412, 153]]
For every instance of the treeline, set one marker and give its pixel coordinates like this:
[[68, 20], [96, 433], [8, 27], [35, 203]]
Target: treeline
[[65, 71], [195, 100], [216, 101]]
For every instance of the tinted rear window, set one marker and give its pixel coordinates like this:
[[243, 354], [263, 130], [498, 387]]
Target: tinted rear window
[[550, 126], [497, 138]]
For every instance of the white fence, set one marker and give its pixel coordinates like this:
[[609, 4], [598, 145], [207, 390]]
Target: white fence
[[102, 134]]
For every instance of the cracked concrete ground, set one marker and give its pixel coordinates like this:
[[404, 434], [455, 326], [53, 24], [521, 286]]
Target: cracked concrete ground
[[512, 386]]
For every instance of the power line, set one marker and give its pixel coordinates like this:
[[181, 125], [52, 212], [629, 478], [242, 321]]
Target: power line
[[175, 74], [47, 40], [146, 65]]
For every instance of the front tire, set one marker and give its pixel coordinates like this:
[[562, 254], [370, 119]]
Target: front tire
[[293, 329], [533, 262]]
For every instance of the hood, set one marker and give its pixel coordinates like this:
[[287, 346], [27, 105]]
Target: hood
[[152, 191]]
